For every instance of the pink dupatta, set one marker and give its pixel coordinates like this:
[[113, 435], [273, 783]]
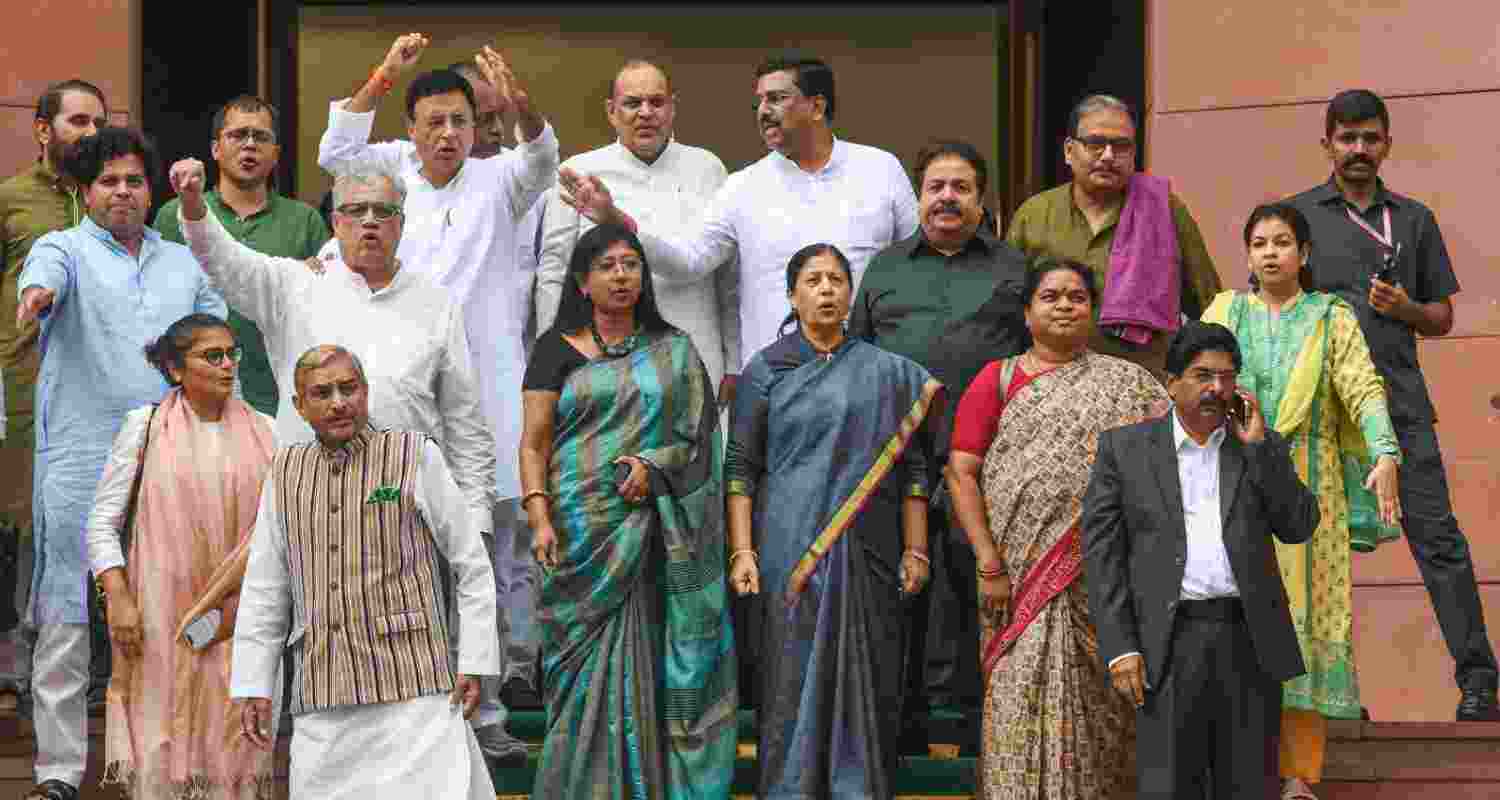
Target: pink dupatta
[[171, 727]]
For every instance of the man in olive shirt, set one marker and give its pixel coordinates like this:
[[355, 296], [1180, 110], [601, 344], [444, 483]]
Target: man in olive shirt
[[1384, 254], [33, 203], [949, 299], [1077, 220], [244, 146]]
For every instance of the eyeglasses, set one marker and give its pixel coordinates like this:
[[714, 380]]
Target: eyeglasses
[[1213, 376], [1094, 145], [216, 356], [631, 266], [239, 136], [380, 211]]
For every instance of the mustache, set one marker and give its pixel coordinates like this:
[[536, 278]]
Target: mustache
[[1358, 159], [1210, 400], [764, 121], [946, 207]]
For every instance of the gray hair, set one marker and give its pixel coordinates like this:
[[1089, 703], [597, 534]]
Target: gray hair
[[318, 357], [1098, 102], [367, 173]]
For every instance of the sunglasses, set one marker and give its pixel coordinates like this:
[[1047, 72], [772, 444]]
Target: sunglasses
[[216, 356]]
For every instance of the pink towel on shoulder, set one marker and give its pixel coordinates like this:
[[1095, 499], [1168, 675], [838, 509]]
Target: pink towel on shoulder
[[1143, 291]]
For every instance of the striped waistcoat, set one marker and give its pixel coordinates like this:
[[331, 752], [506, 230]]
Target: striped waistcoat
[[368, 624]]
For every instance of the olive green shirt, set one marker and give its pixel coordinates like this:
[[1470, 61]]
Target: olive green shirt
[[285, 228], [1051, 223], [32, 204]]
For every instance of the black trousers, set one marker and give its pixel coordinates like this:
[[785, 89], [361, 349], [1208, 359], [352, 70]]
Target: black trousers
[[942, 656], [1209, 729], [1442, 555]]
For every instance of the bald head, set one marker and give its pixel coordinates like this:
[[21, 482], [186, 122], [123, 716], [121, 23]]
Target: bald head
[[642, 108]]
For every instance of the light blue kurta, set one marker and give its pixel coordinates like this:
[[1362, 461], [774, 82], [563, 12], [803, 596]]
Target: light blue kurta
[[108, 306]]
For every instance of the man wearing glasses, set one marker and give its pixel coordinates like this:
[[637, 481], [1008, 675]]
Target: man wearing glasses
[[1384, 254], [465, 220], [245, 149], [407, 330], [1079, 220]]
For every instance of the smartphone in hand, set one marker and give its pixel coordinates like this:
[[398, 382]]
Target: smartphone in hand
[[200, 632], [1239, 410]]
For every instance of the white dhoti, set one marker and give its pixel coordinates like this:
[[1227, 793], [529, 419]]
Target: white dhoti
[[413, 748]]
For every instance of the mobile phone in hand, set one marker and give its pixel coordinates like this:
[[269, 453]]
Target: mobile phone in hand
[[201, 630], [622, 474], [1239, 410]]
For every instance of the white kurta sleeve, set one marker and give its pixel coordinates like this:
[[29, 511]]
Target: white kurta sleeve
[[698, 249], [260, 630], [528, 170], [107, 517], [561, 227], [468, 444], [255, 284], [727, 295], [437, 499], [346, 142], [907, 218]]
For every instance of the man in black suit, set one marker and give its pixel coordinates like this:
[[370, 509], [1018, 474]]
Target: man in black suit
[[1183, 582]]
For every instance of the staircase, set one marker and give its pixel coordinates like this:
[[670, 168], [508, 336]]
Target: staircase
[[942, 774], [1366, 761]]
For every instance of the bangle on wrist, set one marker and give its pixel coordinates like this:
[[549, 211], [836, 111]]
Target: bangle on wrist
[[526, 498], [746, 552], [919, 555], [994, 572]]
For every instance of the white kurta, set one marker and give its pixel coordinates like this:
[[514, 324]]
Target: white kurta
[[410, 337], [102, 531], [414, 748], [464, 236], [860, 201], [669, 194]]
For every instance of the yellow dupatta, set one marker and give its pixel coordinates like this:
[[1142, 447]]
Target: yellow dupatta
[[1366, 530]]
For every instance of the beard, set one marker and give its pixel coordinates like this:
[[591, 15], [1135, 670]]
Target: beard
[[58, 151]]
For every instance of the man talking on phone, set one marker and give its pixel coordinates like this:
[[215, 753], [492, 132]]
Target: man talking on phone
[[1383, 253], [1184, 587]]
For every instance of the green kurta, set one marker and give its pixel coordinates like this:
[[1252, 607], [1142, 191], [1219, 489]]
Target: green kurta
[[1050, 223], [1318, 572], [285, 228], [32, 204]]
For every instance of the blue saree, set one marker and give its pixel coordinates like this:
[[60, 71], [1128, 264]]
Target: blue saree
[[821, 444], [638, 661]]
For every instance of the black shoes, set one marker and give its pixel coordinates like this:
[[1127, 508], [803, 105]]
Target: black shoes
[[1479, 705]]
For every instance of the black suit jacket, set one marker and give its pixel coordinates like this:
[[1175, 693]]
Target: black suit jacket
[[1135, 542]]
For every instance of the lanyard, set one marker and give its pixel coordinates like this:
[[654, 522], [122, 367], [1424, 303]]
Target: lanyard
[[1385, 240]]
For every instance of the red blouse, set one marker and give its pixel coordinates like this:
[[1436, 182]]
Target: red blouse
[[978, 418]]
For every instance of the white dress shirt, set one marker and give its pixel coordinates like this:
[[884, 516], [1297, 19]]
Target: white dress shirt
[[464, 236], [409, 336], [102, 531], [264, 620], [668, 195], [860, 201], [1207, 573]]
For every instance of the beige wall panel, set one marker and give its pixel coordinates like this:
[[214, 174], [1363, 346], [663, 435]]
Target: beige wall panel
[[17, 147], [1223, 162], [1215, 54], [53, 40], [1405, 672], [887, 62]]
